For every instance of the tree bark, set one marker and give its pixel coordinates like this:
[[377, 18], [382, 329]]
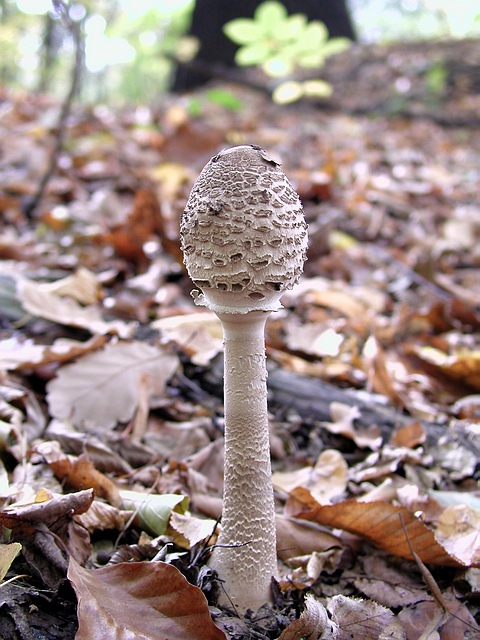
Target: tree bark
[[217, 51]]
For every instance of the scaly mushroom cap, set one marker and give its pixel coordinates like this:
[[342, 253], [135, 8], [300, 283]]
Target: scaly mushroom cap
[[243, 233]]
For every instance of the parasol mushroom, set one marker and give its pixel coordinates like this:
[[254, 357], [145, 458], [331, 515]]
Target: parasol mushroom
[[244, 240]]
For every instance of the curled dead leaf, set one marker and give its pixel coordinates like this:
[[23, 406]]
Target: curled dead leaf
[[386, 526], [140, 601]]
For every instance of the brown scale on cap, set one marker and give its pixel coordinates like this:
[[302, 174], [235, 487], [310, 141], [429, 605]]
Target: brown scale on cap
[[243, 232]]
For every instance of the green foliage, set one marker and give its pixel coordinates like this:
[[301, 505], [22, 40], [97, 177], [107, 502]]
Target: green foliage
[[279, 43], [221, 97]]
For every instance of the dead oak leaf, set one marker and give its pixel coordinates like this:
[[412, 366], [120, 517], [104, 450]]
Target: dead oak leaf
[[140, 601]]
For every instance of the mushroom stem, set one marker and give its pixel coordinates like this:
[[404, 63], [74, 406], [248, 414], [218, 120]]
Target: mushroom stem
[[246, 561], [244, 240]]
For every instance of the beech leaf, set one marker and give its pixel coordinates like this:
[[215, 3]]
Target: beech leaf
[[67, 311], [102, 388], [378, 522], [140, 601]]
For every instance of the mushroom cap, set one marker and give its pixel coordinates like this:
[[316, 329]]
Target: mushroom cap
[[243, 232]]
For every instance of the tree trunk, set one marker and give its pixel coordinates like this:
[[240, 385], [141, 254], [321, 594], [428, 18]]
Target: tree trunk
[[217, 51]]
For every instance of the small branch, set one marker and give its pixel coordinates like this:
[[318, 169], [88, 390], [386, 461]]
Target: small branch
[[74, 28]]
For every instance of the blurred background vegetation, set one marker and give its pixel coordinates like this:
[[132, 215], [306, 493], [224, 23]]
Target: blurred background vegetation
[[130, 48]]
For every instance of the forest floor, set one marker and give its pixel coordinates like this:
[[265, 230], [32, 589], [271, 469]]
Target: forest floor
[[111, 380]]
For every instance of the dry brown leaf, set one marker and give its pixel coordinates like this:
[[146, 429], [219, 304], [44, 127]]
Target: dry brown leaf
[[378, 522], [192, 530], [462, 366], [325, 480], [44, 304], [456, 624], [82, 286], [409, 435], [357, 618], [102, 388], [47, 509], [198, 334], [29, 355], [458, 531], [33, 524], [375, 365], [384, 581], [79, 473], [8, 553], [140, 601], [315, 339], [313, 623], [101, 516], [301, 539], [343, 418]]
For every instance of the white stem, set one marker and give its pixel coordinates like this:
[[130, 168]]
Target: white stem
[[248, 516]]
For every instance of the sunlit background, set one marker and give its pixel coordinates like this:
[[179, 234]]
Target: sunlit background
[[131, 45]]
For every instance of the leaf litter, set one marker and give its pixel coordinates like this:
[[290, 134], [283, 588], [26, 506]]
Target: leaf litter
[[111, 381]]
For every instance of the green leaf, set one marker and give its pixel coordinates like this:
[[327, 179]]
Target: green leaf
[[243, 31], [225, 99], [314, 35], [253, 54], [311, 60], [269, 14], [153, 510], [335, 45], [290, 29]]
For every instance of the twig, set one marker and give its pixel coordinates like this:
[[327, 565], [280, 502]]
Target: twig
[[75, 30]]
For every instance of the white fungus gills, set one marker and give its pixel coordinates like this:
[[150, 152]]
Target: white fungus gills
[[244, 239]]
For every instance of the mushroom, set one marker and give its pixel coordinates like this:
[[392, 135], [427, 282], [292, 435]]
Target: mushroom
[[244, 240]]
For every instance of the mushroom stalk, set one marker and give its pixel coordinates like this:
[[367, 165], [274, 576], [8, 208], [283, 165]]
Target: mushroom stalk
[[244, 240], [248, 517]]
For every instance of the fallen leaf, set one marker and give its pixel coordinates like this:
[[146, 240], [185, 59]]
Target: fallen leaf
[[316, 340], [356, 618], [152, 510], [198, 334], [44, 304], [325, 480], [8, 553], [79, 473], [462, 366], [409, 435], [140, 601], [458, 531], [102, 388], [343, 418], [378, 522], [313, 623], [192, 529], [82, 286], [296, 538], [386, 582], [452, 625]]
